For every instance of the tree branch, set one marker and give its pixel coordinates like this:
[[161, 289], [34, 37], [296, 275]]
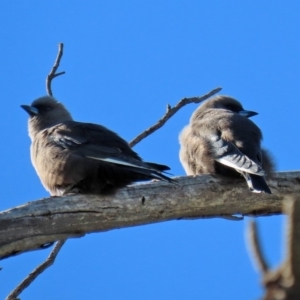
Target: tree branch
[[33, 224], [170, 112], [53, 73], [255, 246], [284, 283], [36, 272]]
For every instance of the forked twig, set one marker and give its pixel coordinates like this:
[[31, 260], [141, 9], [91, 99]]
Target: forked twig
[[170, 112], [53, 73]]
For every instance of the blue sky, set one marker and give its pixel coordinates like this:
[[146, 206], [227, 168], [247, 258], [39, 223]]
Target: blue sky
[[124, 62]]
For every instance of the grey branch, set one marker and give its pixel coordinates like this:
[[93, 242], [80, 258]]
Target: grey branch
[[284, 283], [256, 248], [36, 272], [53, 73], [170, 112], [205, 196]]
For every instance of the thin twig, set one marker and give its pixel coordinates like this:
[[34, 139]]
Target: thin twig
[[53, 73], [170, 112], [35, 273], [255, 246]]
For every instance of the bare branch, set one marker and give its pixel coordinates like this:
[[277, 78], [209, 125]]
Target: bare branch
[[255, 246], [170, 112], [202, 196], [291, 266], [36, 272], [53, 73], [283, 283]]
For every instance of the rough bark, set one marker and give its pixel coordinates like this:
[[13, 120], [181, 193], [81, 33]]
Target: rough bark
[[30, 226]]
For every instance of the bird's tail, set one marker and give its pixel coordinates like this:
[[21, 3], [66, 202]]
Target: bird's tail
[[158, 167], [256, 184], [154, 172]]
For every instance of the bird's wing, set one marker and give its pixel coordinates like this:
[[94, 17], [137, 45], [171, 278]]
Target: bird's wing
[[228, 154], [96, 142]]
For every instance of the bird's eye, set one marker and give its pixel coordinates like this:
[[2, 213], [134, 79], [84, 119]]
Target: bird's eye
[[231, 107], [48, 108]]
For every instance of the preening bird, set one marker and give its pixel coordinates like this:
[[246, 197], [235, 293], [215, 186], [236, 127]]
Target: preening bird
[[220, 139], [75, 157]]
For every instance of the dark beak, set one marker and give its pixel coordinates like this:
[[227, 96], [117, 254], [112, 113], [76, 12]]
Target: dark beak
[[32, 111], [247, 113]]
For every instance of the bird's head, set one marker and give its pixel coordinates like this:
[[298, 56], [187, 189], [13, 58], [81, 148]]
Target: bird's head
[[228, 103], [45, 112]]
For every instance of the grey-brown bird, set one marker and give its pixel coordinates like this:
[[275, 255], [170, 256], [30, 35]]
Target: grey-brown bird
[[220, 139], [74, 157]]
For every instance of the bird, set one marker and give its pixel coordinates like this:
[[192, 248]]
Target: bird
[[220, 139], [73, 157]]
